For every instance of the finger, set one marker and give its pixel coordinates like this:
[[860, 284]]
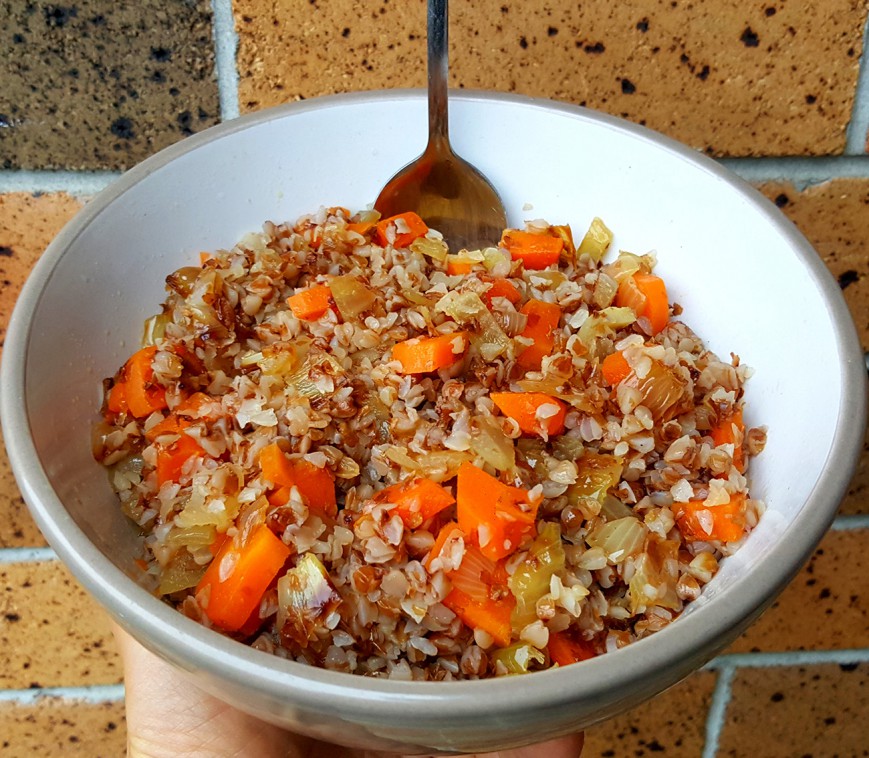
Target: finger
[[168, 716]]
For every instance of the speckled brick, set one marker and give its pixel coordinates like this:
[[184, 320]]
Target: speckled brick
[[68, 728], [52, 634], [825, 608], [834, 216], [27, 224], [772, 78], [798, 711], [857, 499], [97, 84], [671, 725]]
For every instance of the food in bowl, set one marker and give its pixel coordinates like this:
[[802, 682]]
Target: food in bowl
[[350, 447]]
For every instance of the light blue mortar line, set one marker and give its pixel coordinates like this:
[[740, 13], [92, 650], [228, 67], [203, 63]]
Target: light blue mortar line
[[727, 665], [225, 48], [77, 183], [799, 171], [855, 136], [715, 718], [99, 693], [26, 555], [788, 658], [850, 522]]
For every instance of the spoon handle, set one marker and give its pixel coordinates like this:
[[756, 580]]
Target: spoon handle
[[438, 69]]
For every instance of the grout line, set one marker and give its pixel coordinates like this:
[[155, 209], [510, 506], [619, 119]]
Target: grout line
[[98, 693], [788, 658], [800, 171], [717, 711], [26, 554], [225, 48], [858, 126], [77, 183], [848, 522]]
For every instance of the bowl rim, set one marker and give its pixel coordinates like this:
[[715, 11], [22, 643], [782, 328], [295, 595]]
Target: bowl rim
[[679, 648]]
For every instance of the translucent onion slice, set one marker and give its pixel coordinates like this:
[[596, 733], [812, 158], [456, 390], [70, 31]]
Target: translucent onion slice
[[596, 241], [475, 575], [305, 598], [530, 581], [598, 472], [350, 296], [656, 576], [662, 389], [181, 573], [518, 658], [433, 248], [155, 328], [619, 539], [492, 445]]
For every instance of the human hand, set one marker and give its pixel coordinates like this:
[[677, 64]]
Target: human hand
[[167, 717]]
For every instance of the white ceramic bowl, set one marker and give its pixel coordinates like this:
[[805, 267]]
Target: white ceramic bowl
[[747, 280]]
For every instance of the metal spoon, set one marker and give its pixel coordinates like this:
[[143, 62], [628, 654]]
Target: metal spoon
[[445, 190]]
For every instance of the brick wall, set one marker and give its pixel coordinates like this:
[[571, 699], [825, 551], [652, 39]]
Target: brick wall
[[775, 89]]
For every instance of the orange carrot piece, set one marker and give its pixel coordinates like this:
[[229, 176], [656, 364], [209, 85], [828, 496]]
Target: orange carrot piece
[[143, 397], [275, 466], [219, 540], [416, 227], [279, 496], [249, 570], [423, 354], [204, 258], [117, 402], [315, 484], [543, 319], [615, 368], [361, 227], [417, 499], [536, 251], [480, 596], [456, 264], [172, 424], [725, 434], [447, 533], [725, 522], [502, 288], [194, 404], [523, 407], [491, 513], [646, 295], [310, 304], [492, 616], [566, 648], [171, 459]]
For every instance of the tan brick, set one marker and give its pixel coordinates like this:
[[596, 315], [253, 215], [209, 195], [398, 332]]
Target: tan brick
[[797, 711], [27, 224], [99, 84], [68, 728], [834, 217], [727, 78], [672, 724], [825, 607], [52, 634], [857, 499]]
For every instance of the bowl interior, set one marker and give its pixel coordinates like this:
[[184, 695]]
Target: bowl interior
[[748, 283]]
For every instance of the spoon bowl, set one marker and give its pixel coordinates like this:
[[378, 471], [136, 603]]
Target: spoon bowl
[[444, 189]]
